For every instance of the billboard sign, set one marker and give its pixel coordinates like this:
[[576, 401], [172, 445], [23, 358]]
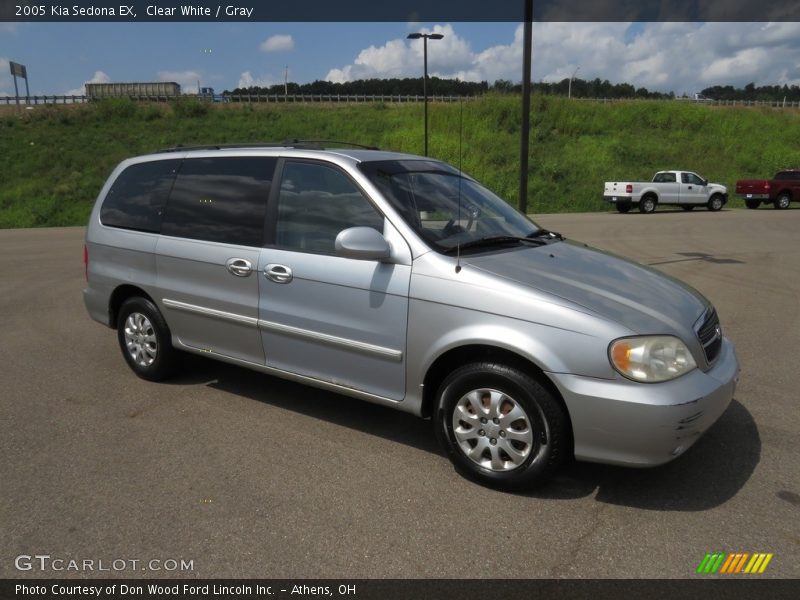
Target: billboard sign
[[18, 70]]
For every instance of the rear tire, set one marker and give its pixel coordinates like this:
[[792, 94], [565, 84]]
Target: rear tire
[[752, 204], [145, 339], [647, 204], [783, 201], [500, 427]]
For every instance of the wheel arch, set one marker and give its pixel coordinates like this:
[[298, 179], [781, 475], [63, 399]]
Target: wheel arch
[[121, 294], [649, 194], [456, 357]]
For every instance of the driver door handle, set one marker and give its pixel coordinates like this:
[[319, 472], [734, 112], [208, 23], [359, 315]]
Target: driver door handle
[[278, 273]]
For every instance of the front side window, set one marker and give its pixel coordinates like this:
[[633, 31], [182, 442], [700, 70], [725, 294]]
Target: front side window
[[220, 200], [692, 179], [444, 207], [317, 202], [137, 197]]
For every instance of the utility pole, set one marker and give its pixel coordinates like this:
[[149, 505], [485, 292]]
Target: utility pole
[[526, 107], [425, 37], [286, 81], [569, 88]]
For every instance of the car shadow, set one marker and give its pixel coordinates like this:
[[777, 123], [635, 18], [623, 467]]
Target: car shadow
[[708, 475], [381, 421], [664, 210]]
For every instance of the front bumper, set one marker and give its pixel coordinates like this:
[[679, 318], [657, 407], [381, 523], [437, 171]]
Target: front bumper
[[633, 424]]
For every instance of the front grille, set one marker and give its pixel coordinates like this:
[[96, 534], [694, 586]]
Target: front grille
[[710, 335]]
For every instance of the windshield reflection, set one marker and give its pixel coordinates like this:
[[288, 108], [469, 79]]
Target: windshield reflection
[[447, 209]]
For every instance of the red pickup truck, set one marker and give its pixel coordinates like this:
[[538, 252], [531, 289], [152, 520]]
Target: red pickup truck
[[781, 190]]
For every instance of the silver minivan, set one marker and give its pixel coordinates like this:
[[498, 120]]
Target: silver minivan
[[399, 280]]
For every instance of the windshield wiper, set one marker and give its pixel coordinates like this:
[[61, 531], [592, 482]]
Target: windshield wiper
[[493, 241], [545, 233]]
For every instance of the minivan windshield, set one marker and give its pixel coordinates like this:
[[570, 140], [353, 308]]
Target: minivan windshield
[[446, 208]]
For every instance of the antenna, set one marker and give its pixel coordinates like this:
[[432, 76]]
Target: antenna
[[460, 137]]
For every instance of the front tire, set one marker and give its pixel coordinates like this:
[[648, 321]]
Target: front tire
[[783, 201], [647, 205], [145, 339], [715, 203], [500, 427]]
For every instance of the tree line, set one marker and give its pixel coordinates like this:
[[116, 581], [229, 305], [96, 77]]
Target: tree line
[[578, 88], [766, 93], [373, 87]]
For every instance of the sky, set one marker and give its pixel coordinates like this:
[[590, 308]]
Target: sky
[[677, 57]]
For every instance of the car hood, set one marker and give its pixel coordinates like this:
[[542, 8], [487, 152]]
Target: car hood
[[642, 299]]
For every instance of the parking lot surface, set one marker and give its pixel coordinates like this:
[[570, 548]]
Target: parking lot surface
[[245, 475]]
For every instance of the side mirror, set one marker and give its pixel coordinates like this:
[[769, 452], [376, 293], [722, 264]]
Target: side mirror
[[362, 243]]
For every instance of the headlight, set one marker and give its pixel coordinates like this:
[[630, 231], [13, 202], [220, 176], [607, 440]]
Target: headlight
[[651, 358]]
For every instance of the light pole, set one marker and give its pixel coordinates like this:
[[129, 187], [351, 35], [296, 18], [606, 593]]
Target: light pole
[[425, 37], [569, 88]]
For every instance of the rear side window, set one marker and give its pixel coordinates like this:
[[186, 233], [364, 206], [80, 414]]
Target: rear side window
[[664, 178], [220, 200], [137, 197]]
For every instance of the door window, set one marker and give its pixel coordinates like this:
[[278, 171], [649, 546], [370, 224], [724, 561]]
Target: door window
[[315, 203], [220, 200], [691, 178]]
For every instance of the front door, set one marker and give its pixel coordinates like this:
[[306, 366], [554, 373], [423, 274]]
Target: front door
[[328, 317], [693, 189]]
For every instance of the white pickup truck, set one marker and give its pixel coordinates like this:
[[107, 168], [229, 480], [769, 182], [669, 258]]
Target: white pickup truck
[[681, 188]]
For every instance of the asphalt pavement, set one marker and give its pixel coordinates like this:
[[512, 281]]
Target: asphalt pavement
[[237, 474]]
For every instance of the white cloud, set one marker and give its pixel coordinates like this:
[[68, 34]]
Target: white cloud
[[277, 43], [186, 79], [679, 57], [247, 80], [404, 58], [98, 77]]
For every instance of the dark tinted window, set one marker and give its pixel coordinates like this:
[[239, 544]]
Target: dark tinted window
[[788, 175], [316, 203], [137, 197], [220, 200]]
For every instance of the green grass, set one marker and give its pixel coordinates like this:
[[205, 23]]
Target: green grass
[[55, 159]]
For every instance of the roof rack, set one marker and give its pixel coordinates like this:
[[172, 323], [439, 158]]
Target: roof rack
[[182, 148], [294, 143]]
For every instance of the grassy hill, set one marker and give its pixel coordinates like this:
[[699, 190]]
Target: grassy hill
[[55, 159]]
